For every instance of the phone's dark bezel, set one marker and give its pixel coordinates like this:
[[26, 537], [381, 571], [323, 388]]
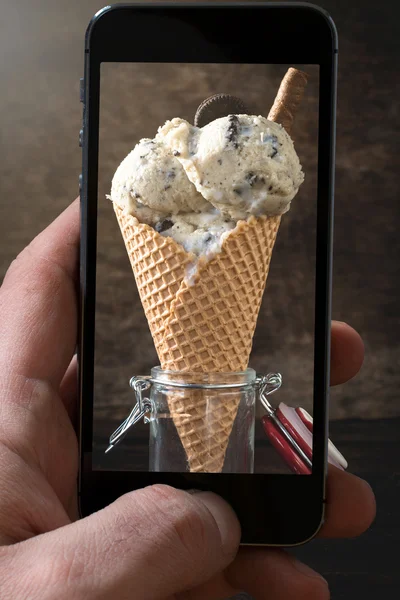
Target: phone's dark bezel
[[273, 509]]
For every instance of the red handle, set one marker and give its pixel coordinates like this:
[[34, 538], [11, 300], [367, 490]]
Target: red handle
[[280, 443], [299, 424]]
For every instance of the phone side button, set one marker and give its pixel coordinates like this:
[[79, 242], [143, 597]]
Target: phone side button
[[80, 138], [81, 90], [80, 184]]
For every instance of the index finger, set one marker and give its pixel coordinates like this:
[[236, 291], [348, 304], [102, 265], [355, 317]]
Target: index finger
[[38, 303]]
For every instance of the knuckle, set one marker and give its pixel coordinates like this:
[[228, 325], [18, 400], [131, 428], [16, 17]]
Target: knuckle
[[64, 571], [119, 537], [31, 267], [185, 523], [18, 264], [14, 265], [33, 397]]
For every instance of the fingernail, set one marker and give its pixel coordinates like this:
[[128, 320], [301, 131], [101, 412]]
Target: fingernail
[[225, 519], [336, 455], [307, 571]]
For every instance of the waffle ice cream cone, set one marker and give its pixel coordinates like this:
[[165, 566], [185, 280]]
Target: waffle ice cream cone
[[205, 322], [159, 265], [204, 326]]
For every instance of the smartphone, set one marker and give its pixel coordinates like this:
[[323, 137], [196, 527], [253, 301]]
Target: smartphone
[[154, 391]]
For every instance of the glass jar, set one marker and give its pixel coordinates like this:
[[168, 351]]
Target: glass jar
[[202, 422], [199, 422]]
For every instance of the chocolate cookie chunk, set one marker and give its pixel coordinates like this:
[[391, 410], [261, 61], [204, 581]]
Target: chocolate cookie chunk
[[163, 225], [233, 130]]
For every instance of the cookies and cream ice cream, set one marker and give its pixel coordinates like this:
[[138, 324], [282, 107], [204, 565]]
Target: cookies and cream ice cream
[[243, 165], [193, 184], [150, 182]]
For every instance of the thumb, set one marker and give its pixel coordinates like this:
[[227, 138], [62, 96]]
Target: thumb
[[148, 545]]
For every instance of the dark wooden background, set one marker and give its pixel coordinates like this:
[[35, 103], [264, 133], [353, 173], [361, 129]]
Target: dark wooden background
[[41, 44]]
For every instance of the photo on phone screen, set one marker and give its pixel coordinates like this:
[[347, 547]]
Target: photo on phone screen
[[171, 235]]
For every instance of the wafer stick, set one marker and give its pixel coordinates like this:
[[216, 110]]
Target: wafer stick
[[288, 98]]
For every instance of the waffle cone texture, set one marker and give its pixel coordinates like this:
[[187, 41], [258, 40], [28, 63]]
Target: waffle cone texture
[[205, 323]]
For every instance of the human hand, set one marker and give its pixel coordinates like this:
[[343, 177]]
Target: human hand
[[183, 545]]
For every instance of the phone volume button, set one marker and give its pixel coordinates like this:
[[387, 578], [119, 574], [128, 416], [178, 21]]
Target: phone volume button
[[81, 90], [80, 183], [81, 138]]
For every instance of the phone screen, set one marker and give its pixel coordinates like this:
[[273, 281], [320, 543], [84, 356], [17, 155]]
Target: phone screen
[[198, 199]]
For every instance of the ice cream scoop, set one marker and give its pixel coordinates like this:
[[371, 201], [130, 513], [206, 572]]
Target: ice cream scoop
[[242, 164], [150, 183]]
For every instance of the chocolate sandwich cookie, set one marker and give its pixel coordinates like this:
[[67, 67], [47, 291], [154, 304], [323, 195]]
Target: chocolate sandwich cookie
[[216, 106]]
